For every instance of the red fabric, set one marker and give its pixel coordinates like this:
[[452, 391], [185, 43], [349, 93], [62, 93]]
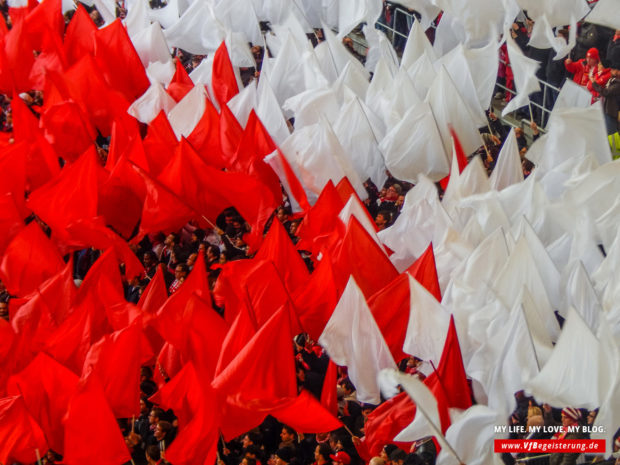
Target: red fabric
[[119, 61], [122, 136], [320, 220], [155, 295], [231, 133], [80, 36], [168, 364], [89, 407], [94, 233], [13, 174], [29, 259], [266, 292], [297, 190], [358, 255], [162, 209], [68, 130], [10, 221], [450, 375], [306, 415], [241, 331], [121, 198], [194, 403], [316, 301], [262, 375], [223, 77], [386, 421], [159, 145], [25, 124], [46, 387], [41, 163], [424, 271], [278, 248], [46, 16], [116, 360], [180, 83], [19, 58], [51, 58], [205, 137], [329, 395], [345, 190], [20, 435], [390, 308], [460, 157], [71, 196]]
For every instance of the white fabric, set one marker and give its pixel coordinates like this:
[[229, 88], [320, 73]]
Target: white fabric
[[186, 114], [317, 156], [148, 106], [380, 47], [358, 130], [472, 436], [380, 90], [269, 112], [414, 147], [340, 54], [580, 295], [160, 72], [417, 45], [239, 16], [151, 45], [423, 75], [558, 12], [605, 13], [198, 31], [167, 15], [483, 63], [524, 70], [573, 374], [243, 103], [572, 95], [480, 18], [508, 170], [427, 9], [352, 338], [137, 17], [449, 108], [505, 362], [428, 324], [457, 66], [353, 79], [403, 97], [309, 106], [353, 12]]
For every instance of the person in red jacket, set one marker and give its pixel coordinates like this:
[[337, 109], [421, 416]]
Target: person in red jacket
[[581, 69]]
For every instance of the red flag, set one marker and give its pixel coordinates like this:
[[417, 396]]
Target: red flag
[[345, 190], [71, 196], [321, 219], [460, 157], [121, 198], [265, 291], [47, 16], [450, 375], [168, 364], [231, 133], [80, 36], [51, 58], [306, 415], [262, 375], [122, 136], [329, 395], [10, 221], [159, 145], [194, 403], [205, 137], [116, 360], [119, 61], [19, 57], [162, 209], [25, 124], [89, 407], [29, 259], [20, 435], [425, 272], [41, 163], [155, 294], [386, 421], [223, 77], [13, 174], [180, 84], [46, 387], [316, 301], [242, 330], [67, 129], [390, 308], [360, 256], [278, 248]]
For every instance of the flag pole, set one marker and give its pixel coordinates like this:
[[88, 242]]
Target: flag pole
[[133, 423], [348, 430], [36, 451]]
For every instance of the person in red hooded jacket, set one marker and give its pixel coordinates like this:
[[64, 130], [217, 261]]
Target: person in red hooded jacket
[[587, 67]]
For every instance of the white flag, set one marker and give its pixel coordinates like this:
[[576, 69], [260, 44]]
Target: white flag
[[148, 106], [353, 339], [508, 170]]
